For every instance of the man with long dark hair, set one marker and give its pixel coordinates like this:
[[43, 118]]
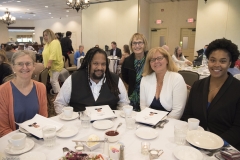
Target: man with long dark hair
[[92, 85]]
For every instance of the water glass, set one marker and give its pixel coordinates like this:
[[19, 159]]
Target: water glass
[[145, 146], [85, 120], [49, 135], [180, 133], [130, 122]]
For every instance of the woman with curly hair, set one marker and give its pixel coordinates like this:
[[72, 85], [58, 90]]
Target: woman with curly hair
[[215, 100]]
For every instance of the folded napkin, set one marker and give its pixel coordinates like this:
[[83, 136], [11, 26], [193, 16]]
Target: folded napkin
[[35, 125], [150, 116], [100, 112]]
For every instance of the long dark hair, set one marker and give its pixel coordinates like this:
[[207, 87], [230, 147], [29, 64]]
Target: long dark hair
[[175, 52], [86, 64], [126, 49]]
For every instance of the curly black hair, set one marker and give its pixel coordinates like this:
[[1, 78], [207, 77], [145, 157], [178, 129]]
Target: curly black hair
[[225, 45], [86, 64]]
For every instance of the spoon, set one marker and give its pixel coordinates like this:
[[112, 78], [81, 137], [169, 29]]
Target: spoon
[[78, 115], [118, 127]]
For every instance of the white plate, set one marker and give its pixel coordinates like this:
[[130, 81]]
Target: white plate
[[146, 133], [28, 146], [74, 116], [67, 131], [187, 153], [33, 155], [103, 124], [123, 115], [204, 139]]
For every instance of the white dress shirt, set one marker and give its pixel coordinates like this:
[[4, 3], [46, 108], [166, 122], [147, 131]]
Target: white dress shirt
[[173, 95], [63, 97]]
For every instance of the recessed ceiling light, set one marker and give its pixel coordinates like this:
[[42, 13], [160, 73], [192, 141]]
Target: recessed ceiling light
[[28, 9], [28, 18], [46, 6], [18, 1], [66, 15], [34, 15], [50, 13], [51, 17], [67, 10]]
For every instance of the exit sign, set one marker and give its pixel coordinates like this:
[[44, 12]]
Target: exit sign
[[190, 20]]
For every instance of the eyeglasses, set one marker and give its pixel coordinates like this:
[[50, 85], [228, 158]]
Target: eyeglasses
[[137, 43], [160, 58], [21, 64]]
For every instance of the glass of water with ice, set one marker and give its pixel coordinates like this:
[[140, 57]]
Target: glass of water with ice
[[49, 135]]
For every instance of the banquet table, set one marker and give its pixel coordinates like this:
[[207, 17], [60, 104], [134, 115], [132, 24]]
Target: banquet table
[[201, 70], [132, 143], [112, 65]]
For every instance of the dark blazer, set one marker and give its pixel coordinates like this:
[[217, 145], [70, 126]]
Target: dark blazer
[[66, 44], [223, 115], [129, 73], [118, 52]]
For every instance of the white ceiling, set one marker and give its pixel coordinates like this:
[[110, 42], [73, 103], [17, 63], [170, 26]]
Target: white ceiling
[[35, 9]]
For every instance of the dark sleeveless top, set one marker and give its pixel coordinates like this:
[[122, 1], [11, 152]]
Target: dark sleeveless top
[[82, 96], [157, 105]]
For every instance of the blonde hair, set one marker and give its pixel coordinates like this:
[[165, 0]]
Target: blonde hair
[[141, 37], [3, 55], [170, 66], [50, 34]]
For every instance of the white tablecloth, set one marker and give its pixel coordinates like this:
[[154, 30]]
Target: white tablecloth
[[112, 65], [132, 143], [202, 71]]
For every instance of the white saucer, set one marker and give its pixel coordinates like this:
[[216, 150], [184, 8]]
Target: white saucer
[[187, 153], [28, 146], [103, 124], [146, 133], [122, 114], [67, 131], [74, 116], [33, 155]]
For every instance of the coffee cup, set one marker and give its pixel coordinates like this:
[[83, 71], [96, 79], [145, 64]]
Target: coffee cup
[[193, 123], [17, 141], [68, 112], [127, 110]]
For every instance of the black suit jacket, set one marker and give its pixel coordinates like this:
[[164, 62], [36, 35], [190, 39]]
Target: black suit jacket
[[118, 52], [223, 115], [66, 44]]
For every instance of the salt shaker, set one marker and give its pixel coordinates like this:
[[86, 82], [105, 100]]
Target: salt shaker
[[121, 157]]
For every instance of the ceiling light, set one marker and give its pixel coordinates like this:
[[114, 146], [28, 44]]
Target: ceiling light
[[28, 9], [66, 15], [34, 15], [51, 17], [67, 10], [78, 4], [46, 6], [49, 13], [18, 1], [8, 18]]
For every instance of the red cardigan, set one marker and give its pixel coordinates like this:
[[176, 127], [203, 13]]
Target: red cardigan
[[7, 120]]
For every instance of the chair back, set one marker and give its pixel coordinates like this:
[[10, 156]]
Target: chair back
[[71, 56], [38, 69], [237, 76], [189, 77], [43, 76], [8, 78]]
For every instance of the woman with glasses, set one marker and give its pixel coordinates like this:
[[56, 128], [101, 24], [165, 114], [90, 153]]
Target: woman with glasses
[[52, 58], [179, 58], [162, 88], [21, 98], [132, 68], [215, 100]]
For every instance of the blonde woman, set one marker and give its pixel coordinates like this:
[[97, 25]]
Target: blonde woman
[[161, 87], [21, 98], [52, 58]]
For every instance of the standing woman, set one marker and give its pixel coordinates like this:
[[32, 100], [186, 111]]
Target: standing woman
[[215, 100], [179, 58], [132, 68], [21, 98], [52, 58]]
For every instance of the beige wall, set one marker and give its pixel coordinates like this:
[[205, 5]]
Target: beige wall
[[144, 11], [174, 18], [107, 22], [217, 19], [3, 33]]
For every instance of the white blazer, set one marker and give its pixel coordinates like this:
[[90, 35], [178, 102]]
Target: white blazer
[[173, 95]]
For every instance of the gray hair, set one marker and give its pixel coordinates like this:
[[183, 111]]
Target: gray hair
[[23, 53], [81, 46]]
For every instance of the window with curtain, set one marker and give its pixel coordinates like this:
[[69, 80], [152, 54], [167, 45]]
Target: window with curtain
[[24, 38]]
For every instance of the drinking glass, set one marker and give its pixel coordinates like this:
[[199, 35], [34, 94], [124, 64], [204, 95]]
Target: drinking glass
[[180, 133], [85, 120], [130, 122], [49, 135], [145, 146]]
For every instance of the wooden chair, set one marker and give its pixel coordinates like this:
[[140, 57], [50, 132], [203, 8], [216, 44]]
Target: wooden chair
[[8, 78], [189, 77]]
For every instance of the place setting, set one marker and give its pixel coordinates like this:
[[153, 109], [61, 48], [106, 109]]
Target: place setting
[[68, 114]]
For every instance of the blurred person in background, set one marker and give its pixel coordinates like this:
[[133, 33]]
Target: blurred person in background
[[179, 58], [125, 54], [5, 67]]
